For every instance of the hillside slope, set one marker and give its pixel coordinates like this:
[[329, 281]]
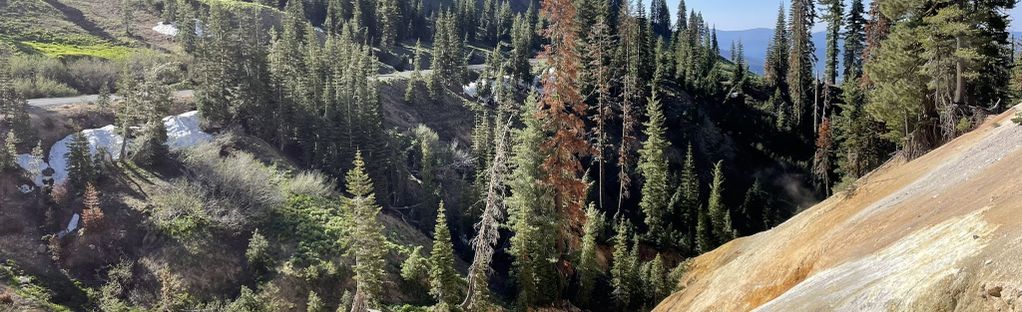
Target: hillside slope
[[939, 233]]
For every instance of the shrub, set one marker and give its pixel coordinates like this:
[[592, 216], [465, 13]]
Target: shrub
[[258, 252], [311, 183], [41, 87], [237, 186], [6, 297], [89, 75], [179, 210]]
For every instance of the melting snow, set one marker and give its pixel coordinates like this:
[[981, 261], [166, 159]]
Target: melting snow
[[169, 29], [182, 131], [472, 89], [166, 29]]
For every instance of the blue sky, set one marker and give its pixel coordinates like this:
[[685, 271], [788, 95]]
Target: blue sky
[[747, 14]]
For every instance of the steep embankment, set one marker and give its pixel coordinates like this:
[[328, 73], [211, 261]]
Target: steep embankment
[[940, 233]]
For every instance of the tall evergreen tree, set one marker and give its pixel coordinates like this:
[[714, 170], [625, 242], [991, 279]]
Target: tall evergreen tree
[[653, 166], [521, 49], [531, 214], [689, 206], [681, 22], [389, 20], [660, 18], [366, 243], [443, 279], [447, 55], [81, 170], [8, 152], [214, 92], [588, 268], [859, 148], [834, 17], [622, 270], [13, 107], [855, 40], [801, 57], [776, 69], [720, 215], [416, 72]]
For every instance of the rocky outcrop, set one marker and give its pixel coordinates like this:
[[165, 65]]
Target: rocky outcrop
[[939, 233]]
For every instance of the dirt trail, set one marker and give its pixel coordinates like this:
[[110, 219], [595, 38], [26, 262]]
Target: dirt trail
[[938, 233]]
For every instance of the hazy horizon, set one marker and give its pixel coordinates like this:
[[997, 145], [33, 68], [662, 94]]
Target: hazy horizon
[[755, 14]]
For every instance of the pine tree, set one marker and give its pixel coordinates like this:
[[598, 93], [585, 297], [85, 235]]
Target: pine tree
[[588, 268], [658, 284], [834, 16], [689, 201], [215, 90], [756, 198], [681, 22], [8, 152], [447, 55], [443, 279], [314, 304], [521, 49], [628, 55], [719, 214], [776, 69], [600, 44], [660, 18], [146, 101], [854, 40], [801, 57], [366, 245], [621, 268], [80, 168], [390, 20], [416, 72], [898, 95], [103, 101], [530, 210], [738, 76], [127, 10], [186, 25], [822, 159], [562, 112], [169, 11], [653, 167], [92, 213], [35, 166], [13, 107]]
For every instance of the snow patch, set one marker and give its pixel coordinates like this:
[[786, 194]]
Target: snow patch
[[472, 89], [182, 131], [105, 138], [166, 29], [28, 163]]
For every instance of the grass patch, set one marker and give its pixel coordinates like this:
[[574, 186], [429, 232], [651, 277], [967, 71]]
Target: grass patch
[[32, 290], [58, 50]]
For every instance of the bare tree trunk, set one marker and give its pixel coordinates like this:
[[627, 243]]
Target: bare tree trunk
[[489, 224]]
